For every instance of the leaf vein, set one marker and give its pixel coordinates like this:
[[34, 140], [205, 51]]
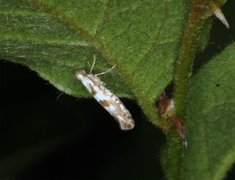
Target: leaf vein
[[104, 17]]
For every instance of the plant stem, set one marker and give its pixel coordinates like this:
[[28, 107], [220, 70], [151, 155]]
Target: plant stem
[[190, 42]]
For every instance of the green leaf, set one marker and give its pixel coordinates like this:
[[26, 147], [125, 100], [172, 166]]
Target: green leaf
[[57, 38], [210, 124]]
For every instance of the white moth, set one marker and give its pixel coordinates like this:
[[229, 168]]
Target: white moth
[[106, 98]]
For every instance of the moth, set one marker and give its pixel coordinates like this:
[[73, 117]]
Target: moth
[[106, 98]]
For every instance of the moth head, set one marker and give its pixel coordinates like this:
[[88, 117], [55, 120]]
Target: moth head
[[80, 74]]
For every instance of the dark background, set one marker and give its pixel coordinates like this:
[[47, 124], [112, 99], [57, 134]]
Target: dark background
[[45, 134]]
